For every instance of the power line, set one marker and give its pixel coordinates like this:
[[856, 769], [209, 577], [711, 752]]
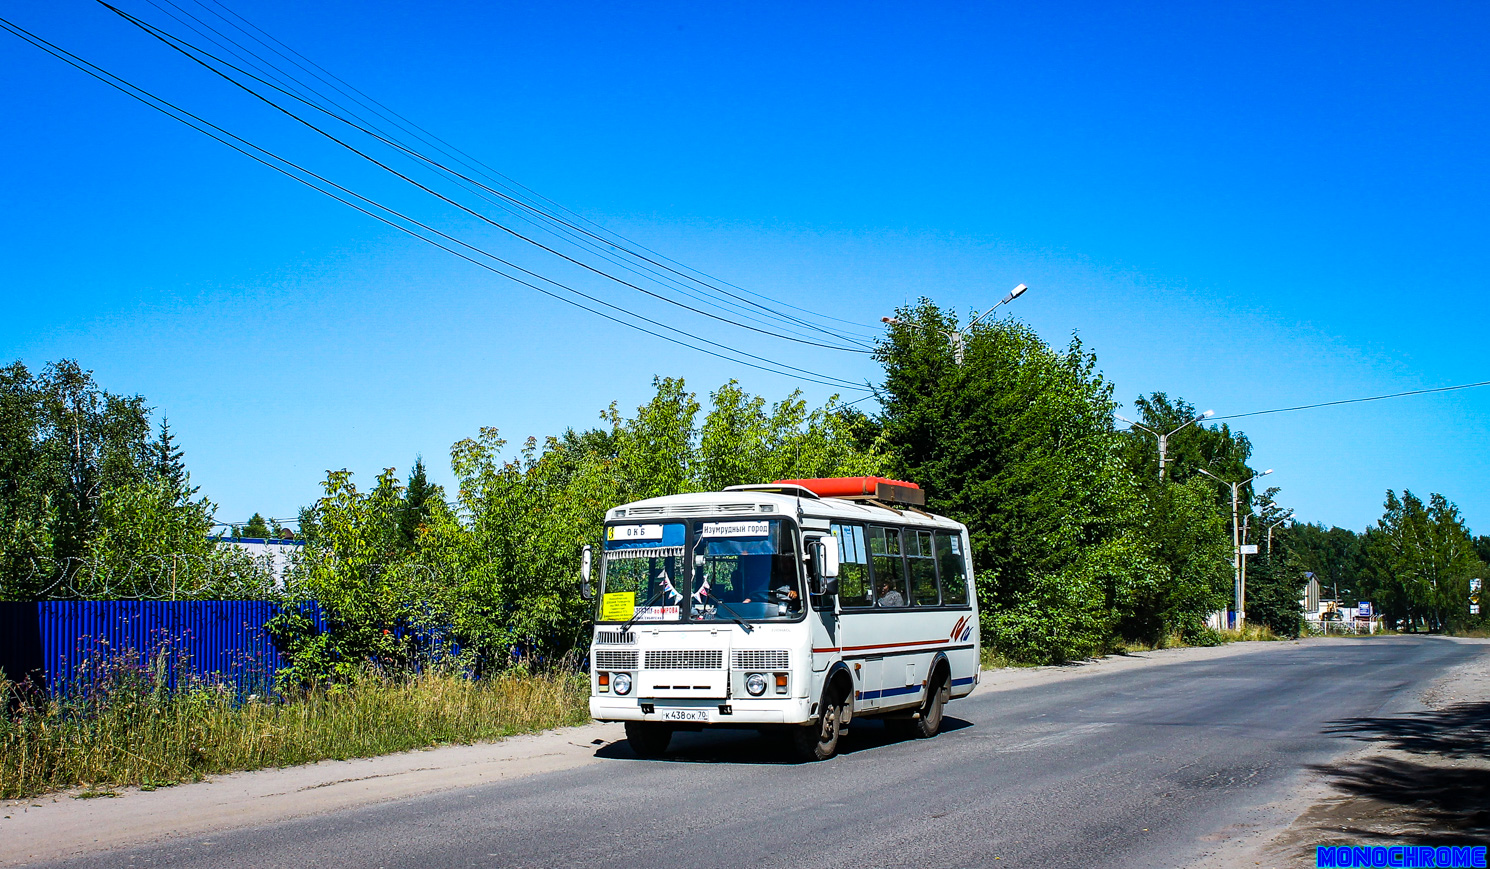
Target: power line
[[496, 198], [436, 142], [191, 51], [1356, 400], [197, 123]]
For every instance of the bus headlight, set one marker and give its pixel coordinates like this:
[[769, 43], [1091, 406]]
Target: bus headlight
[[755, 683], [621, 682]]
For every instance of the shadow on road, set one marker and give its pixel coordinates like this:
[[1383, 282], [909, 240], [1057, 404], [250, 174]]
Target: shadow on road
[[748, 746], [1447, 789], [1458, 731]]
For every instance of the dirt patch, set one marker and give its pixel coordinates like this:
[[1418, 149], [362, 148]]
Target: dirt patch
[[1423, 778]]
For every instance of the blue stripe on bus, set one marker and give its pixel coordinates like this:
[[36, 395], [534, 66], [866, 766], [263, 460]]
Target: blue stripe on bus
[[968, 681], [889, 692]]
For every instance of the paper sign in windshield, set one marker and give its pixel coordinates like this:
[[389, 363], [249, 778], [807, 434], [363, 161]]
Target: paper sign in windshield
[[657, 614], [634, 532], [617, 606], [736, 529]]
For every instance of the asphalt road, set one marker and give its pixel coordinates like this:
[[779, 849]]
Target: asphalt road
[[1130, 768]]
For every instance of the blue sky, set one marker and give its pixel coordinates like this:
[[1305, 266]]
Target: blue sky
[[1246, 206]]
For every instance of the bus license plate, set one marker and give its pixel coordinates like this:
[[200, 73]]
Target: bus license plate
[[685, 715]]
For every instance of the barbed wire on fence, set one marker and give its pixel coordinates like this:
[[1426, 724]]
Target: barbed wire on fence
[[216, 575]]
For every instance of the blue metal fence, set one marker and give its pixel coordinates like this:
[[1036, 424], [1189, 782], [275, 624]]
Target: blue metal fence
[[67, 642]]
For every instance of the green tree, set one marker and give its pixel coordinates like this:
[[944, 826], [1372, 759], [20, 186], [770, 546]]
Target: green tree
[[1333, 555], [65, 445], [1188, 533], [420, 498], [1422, 558], [256, 528], [169, 463], [1275, 587], [1018, 443], [351, 567]]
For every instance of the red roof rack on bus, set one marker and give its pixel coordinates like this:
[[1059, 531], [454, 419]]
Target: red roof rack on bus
[[862, 489]]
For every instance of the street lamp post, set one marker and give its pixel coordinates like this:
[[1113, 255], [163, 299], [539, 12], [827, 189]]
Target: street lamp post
[[1164, 438], [1270, 531], [956, 335], [1236, 537]]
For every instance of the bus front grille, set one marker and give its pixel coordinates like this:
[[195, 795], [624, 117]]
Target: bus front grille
[[685, 659], [760, 659], [614, 659], [615, 637]]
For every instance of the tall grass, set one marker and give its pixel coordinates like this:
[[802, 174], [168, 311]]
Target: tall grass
[[1248, 632], [133, 730]]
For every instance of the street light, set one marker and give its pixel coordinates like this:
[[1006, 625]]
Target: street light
[[1275, 525], [1164, 438], [1236, 539], [956, 336]]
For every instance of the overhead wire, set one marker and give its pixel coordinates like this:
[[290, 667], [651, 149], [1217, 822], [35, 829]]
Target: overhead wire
[[196, 54], [265, 66], [1355, 400], [474, 163], [247, 148]]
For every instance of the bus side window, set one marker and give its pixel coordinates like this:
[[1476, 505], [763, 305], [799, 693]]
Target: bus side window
[[889, 568], [922, 563], [953, 569], [853, 566]]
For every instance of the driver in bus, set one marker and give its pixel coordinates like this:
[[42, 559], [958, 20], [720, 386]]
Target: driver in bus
[[889, 597]]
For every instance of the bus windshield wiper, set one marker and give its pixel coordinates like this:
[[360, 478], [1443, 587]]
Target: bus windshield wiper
[[732, 614], [636, 612]]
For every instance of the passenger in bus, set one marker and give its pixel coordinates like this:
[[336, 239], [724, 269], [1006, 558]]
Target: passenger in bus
[[889, 597]]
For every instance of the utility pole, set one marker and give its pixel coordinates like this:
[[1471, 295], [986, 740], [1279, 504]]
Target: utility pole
[[1241, 562], [1164, 438], [1238, 559], [956, 335]]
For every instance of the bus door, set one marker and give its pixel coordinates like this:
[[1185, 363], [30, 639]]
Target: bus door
[[856, 619], [823, 623]]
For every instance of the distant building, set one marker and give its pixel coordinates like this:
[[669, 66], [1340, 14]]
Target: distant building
[[279, 554], [1310, 600]]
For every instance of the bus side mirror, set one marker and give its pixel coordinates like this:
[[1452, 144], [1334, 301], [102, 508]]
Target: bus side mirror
[[830, 557], [586, 555], [822, 566]]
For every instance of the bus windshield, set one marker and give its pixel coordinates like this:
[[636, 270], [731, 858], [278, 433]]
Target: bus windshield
[[750, 571], [642, 573]]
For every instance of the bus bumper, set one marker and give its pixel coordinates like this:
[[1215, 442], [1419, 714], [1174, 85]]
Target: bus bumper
[[734, 712]]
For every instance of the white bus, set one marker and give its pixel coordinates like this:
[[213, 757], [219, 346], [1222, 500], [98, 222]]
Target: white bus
[[795, 606]]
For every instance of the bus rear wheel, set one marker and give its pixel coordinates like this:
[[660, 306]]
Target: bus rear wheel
[[819, 741], [648, 739], [929, 722]]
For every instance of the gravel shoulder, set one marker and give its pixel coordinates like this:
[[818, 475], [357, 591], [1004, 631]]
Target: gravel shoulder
[[65, 824], [1417, 776]]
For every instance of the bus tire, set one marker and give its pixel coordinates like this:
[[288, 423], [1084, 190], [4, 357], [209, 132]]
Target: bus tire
[[819, 740], [648, 739], [929, 720]]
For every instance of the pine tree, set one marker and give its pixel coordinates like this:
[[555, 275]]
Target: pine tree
[[257, 527], [419, 501], [168, 463]]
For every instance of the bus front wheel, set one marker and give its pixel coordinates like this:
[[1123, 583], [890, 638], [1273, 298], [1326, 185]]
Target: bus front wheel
[[819, 740], [648, 739]]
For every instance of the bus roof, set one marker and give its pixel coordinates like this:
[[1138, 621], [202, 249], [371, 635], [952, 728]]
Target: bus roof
[[745, 502]]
